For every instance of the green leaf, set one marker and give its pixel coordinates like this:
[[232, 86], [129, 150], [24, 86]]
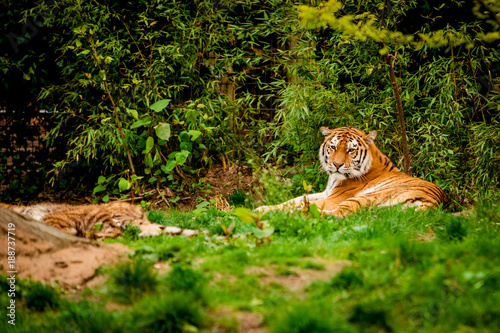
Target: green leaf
[[135, 178], [263, 233], [191, 116], [187, 146], [245, 215], [202, 204], [133, 113], [194, 134], [174, 200], [150, 142], [169, 166], [140, 123], [313, 209], [181, 157], [123, 184], [105, 198], [101, 179], [98, 226], [99, 188], [163, 131], [149, 161], [160, 105], [307, 187]]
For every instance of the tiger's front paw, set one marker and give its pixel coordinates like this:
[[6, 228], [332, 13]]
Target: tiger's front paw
[[264, 209], [151, 229]]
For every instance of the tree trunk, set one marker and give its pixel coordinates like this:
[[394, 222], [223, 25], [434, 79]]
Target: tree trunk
[[389, 59]]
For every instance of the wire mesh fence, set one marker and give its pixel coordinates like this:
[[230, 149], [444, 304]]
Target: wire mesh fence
[[24, 155]]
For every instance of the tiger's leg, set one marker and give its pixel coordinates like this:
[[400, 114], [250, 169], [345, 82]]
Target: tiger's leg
[[350, 206], [149, 228], [289, 205], [299, 201]]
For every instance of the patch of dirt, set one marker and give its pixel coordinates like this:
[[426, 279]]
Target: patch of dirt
[[72, 267], [162, 267], [297, 278], [464, 213], [224, 180], [248, 322], [223, 278], [49, 255], [426, 236]]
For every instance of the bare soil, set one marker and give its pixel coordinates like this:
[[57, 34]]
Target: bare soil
[[47, 254], [296, 278], [224, 181]]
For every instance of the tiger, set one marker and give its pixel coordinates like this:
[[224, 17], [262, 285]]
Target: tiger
[[360, 175], [82, 220]]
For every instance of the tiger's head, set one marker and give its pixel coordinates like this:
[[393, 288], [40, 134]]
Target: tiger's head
[[345, 152]]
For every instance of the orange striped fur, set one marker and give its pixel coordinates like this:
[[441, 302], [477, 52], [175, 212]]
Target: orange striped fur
[[360, 176]]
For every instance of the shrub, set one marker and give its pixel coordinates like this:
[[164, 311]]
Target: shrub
[[130, 280], [309, 318], [171, 313]]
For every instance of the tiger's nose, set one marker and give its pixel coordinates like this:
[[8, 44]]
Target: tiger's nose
[[338, 165]]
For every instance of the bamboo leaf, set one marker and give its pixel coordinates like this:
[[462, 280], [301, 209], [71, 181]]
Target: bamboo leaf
[[160, 105], [149, 144]]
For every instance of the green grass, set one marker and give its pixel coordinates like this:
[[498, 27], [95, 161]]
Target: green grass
[[408, 271]]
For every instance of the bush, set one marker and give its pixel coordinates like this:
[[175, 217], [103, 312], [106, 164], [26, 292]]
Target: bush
[[131, 280], [40, 297], [186, 280], [309, 318], [171, 313]]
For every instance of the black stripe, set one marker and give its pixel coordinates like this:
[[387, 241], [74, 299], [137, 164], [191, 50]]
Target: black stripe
[[363, 156]]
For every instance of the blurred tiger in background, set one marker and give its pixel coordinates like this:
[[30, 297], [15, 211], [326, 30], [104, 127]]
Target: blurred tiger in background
[[98, 220]]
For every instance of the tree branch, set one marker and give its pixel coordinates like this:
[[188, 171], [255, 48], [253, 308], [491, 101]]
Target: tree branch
[[399, 106]]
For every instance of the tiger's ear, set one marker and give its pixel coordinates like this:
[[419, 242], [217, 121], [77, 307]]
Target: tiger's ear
[[325, 131], [370, 137]]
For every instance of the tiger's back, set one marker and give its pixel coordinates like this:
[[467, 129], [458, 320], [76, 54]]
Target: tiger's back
[[360, 176], [84, 221]]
